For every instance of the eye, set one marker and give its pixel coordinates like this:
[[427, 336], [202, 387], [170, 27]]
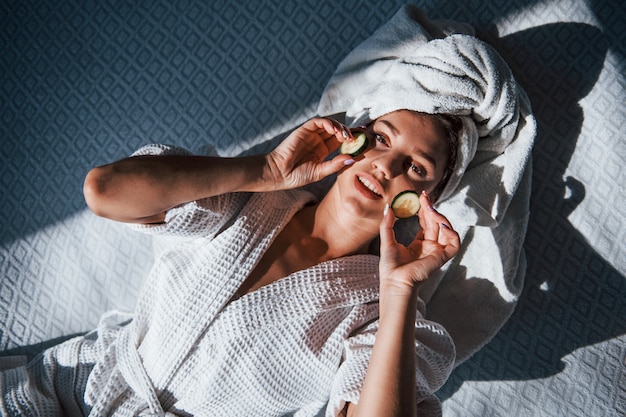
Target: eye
[[418, 170], [381, 139]]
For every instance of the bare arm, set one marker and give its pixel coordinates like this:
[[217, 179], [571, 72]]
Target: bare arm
[[390, 387], [141, 189]]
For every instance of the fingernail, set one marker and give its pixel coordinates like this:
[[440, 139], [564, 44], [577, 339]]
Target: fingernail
[[348, 162], [386, 209], [345, 134]]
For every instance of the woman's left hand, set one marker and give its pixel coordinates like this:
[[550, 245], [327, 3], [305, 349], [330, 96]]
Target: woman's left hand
[[406, 267]]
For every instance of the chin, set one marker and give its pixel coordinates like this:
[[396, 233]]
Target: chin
[[360, 210]]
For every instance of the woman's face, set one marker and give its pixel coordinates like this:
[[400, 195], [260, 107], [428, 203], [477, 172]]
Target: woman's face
[[407, 151]]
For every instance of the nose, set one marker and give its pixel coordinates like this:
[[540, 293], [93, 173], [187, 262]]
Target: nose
[[388, 164]]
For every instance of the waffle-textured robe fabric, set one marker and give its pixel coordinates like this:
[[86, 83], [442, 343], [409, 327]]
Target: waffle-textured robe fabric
[[194, 348]]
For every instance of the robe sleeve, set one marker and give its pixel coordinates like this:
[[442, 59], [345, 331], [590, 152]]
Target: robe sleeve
[[200, 218], [434, 354]]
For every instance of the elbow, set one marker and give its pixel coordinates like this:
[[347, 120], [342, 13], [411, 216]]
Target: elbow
[[95, 191]]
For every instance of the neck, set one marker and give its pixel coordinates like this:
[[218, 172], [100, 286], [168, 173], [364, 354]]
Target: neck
[[333, 235]]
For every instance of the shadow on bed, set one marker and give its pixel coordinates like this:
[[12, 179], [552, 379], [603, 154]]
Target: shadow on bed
[[33, 350], [572, 297]]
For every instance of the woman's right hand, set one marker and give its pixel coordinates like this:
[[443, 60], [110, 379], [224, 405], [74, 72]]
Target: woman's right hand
[[301, 158]]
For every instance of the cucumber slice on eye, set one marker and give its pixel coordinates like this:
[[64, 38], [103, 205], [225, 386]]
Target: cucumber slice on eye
[[406, 204], [354, 147]]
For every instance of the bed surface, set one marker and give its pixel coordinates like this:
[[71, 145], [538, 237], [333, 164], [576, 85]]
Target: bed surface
[[85, 83]]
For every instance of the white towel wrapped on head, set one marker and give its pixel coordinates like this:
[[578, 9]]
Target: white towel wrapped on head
[[415, 64]]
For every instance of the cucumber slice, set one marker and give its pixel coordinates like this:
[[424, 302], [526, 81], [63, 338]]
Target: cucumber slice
[[406, 204], [354, 147]]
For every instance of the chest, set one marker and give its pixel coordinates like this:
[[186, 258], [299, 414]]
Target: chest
[[283, 258]]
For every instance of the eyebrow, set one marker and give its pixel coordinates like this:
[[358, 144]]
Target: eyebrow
[[396, 132]]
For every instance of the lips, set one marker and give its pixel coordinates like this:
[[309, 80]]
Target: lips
[[368, 188]]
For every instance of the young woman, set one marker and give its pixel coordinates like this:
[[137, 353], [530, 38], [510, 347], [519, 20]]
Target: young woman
[[271, 304]]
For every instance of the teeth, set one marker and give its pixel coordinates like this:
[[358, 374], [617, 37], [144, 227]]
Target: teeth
[[369, 185]]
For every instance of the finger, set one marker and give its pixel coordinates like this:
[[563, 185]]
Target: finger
[[343, 133], [331, 132], [334, 165], [332, 127], [320, 137], [428, 218], [449, 239], [320, 123], [387, 235], [333, 142]]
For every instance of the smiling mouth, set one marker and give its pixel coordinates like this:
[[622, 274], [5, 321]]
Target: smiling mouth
[[369, 186]]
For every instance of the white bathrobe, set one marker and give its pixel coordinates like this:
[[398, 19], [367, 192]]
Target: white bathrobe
[[194, 348]]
